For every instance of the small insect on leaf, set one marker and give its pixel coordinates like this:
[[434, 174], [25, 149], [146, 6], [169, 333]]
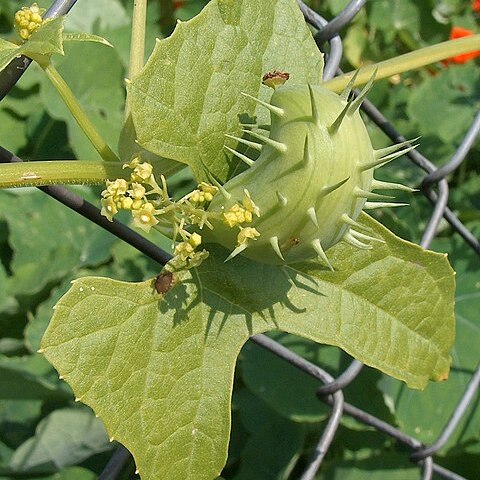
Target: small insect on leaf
[[164, 282]]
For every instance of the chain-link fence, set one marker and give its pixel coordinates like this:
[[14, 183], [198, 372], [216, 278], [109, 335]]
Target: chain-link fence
[[434, 186]]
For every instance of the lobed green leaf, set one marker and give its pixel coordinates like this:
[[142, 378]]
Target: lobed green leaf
[[159, 369]]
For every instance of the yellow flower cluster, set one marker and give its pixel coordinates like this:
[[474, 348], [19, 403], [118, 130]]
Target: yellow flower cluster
[[238, 214], [132, 195], [186, 249], [246, 234], [151, 206], [204, 193], [27, 20], [186, 255]]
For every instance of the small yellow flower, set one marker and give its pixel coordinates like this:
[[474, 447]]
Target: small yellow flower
[[184, 250], [144, 217], [137, 191], [195, 240], [142, 172], [237, 215], [36, 18], [22, 22], [197, 196], [246, 234], [118, 187], [137, 204], [135, 161], [208, 190], [249, 204], [109, 208], [231, 217], [204, 193], [125, 203]]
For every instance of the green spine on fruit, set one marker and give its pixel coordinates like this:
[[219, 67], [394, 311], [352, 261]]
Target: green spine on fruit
[[313, 177]]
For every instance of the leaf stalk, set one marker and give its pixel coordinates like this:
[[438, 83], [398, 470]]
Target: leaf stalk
[[137, 43], [408, 61], [59, 172], [79, 114]]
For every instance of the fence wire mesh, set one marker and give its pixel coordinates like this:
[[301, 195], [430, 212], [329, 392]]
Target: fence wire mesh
[[433, 185]]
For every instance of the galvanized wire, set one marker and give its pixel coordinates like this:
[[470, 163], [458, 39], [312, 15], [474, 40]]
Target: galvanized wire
[[117, 464], [343, 380], [59, 7], [454, 420], [459, 156], [343, 19], [336, 399], [331, 391]]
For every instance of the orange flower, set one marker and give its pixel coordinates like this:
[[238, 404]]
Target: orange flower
[[476, 5], [178, 4], [459, 32]]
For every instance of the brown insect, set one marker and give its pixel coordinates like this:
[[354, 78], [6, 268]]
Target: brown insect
[[164, 282]]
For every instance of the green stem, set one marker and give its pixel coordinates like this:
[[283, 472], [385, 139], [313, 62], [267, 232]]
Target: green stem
[[137, 43], [59, 172], [408, 61], [78, 113]]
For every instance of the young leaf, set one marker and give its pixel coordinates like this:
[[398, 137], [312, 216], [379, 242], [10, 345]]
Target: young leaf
[[8, 51], [159, 369], [48, 39], [85, 37], [188, 94]]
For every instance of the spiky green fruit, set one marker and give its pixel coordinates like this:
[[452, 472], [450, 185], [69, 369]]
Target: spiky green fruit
[[312, 179]]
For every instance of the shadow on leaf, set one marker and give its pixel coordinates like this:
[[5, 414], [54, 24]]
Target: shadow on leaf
[[240, 287]]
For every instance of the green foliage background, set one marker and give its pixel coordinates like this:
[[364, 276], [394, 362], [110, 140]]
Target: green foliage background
[[45, 434]]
